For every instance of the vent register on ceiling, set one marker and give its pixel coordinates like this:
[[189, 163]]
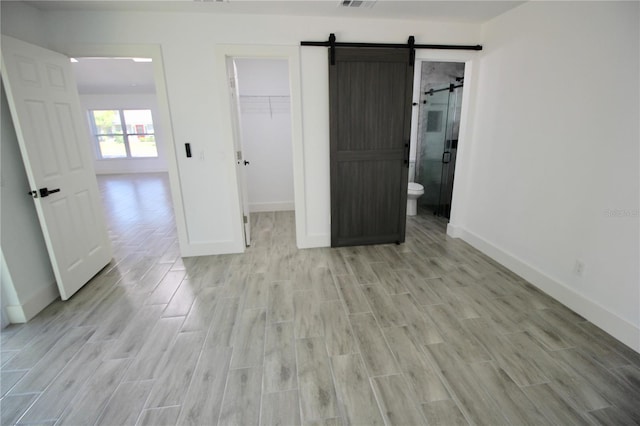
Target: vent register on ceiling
[[357, 3]]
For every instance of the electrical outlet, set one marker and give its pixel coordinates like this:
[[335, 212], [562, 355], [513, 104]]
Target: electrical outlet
[[578, 268]]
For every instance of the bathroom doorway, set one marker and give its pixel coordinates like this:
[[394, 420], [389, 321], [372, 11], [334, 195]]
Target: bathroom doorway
[[264, 145], [440, 106]]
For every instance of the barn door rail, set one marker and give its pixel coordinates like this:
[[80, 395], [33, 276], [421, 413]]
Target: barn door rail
[[411, 45]]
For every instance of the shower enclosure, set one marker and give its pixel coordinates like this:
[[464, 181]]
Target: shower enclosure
[[437, 147]]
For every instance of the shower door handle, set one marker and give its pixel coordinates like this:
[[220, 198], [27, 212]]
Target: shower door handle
[[446, 154]]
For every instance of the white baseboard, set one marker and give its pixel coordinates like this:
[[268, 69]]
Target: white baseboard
[[209, 249], [5, 317], [618, 327], [313, 241], [19, 314], [271, 207], [130, 171], [230, 247], [454, 231], [15, 313]]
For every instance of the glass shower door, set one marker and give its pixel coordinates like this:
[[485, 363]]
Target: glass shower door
[[440, 116], [450, 148], [434, 134]]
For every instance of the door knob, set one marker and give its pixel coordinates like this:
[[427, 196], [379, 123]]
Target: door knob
[[246, 162]]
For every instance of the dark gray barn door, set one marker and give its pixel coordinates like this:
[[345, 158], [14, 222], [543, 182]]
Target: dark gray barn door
[[370, 112]]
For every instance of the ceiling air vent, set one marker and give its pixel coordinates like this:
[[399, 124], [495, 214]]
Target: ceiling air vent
[[357, 3]]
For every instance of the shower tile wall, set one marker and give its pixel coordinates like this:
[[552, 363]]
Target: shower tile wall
[[435, 75]]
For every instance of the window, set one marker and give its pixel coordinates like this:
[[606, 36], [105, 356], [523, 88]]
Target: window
[[125, 133]]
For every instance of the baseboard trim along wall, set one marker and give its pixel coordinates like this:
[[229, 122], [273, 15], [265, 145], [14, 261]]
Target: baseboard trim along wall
[[210, 249], [314, 241], [120, 171], [18, 314], [618, 327]]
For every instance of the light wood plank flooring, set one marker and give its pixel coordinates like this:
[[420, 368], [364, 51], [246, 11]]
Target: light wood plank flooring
[[428, 332]]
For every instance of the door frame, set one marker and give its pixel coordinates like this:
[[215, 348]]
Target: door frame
[[465, 137], [292, 55], [155, 53]]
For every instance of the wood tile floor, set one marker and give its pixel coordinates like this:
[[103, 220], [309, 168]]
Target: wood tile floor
[[430, 331]]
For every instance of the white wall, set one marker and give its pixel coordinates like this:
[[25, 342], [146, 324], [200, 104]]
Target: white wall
[[555, 150], [208, 180], [263, 77], [128, 101], [28, 283], [266, 132], [24, 22]]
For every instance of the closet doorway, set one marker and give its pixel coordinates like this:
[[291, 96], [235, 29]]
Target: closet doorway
[[261, 91]]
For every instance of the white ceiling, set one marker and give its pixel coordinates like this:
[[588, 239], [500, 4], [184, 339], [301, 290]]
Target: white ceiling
[[113, 75], [449, 10]]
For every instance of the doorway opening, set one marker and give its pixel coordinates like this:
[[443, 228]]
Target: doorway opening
[[261, 105], [440, 107], [118, 97]]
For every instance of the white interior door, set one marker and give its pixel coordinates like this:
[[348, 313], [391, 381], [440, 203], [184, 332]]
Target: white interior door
[[53, 137], [241, 162]]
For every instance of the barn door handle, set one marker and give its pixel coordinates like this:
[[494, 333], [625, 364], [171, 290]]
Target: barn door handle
[[45, 192], [406, 154], [448, 154]]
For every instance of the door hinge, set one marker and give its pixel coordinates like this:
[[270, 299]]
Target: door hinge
[[246, 219], [232, 82], [238, 155]]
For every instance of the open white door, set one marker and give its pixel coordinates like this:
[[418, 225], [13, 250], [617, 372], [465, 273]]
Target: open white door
[[241, 163], [53, 137]]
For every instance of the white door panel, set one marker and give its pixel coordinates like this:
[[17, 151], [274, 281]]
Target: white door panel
[[55, 146], [237, 141]]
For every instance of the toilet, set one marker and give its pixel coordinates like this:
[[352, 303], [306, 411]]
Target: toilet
[[414, 191]]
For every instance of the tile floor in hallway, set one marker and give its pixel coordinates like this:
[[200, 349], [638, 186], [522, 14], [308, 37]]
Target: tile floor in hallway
[[428, 332]]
